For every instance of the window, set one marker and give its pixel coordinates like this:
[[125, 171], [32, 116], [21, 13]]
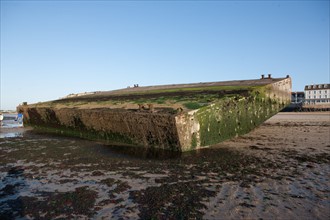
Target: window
[[325, 96], [320, 96], [320, 91], [314, 92], [325, 91]]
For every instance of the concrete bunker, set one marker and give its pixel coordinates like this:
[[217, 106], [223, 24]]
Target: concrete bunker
[[179, 117]]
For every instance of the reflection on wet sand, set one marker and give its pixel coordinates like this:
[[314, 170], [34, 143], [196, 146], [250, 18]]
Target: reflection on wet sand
[[280, 170], [11, 126]]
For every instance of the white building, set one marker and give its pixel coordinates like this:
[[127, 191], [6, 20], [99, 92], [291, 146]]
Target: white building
[[317, 94]]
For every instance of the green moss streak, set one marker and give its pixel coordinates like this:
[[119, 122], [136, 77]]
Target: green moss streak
[[109, 137], [193, 141], [232, 116], [209, 88], [192, 105]]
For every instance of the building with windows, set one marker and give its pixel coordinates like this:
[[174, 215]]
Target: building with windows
[[318, 94], [298, 97]]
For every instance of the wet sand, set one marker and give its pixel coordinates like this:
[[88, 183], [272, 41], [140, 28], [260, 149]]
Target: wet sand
[[278, 171]]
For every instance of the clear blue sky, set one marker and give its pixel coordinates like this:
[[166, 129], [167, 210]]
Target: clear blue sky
[[52, 48]]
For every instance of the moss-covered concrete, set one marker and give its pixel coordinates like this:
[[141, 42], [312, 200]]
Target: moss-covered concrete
[[231, 115], [178, 120]]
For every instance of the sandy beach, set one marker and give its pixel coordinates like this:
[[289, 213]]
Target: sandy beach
[[280, 170]]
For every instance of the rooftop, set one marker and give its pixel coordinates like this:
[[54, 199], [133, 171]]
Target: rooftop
[[317, 86]]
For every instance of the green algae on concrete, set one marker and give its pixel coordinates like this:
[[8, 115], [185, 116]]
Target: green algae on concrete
[[228, 117], [231, 117], [175, 117]]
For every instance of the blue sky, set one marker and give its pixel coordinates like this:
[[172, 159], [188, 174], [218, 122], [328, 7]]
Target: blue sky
[[52, 48]]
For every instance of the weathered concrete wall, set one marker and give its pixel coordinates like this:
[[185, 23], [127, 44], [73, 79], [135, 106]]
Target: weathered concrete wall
[[227, 117], [116, 126], [232, 116], [280, 91]]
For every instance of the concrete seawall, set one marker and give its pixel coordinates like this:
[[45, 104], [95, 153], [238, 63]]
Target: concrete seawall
[[182, 120]]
